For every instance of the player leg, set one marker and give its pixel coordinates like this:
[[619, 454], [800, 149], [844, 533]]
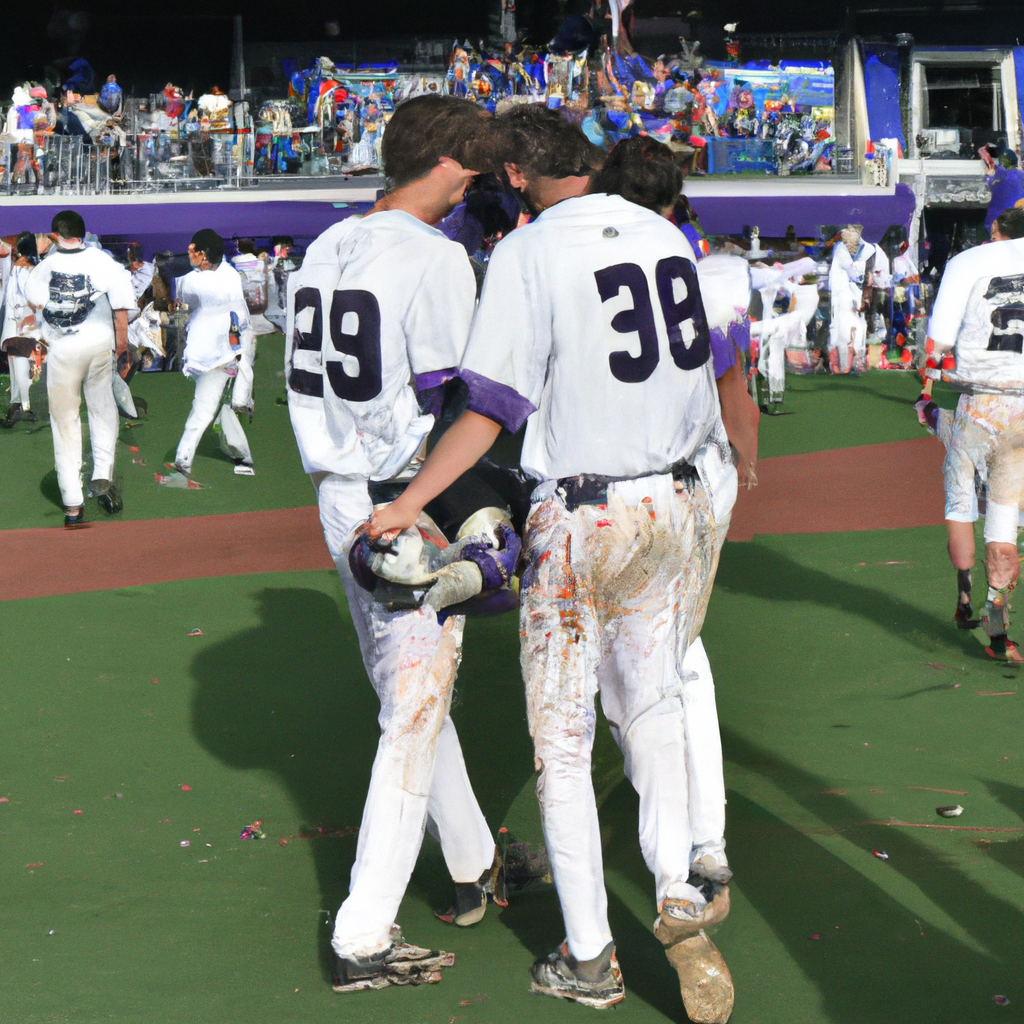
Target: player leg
[[1002, 563], [560, 658], [233, 441], [21, 381], [241, 390], [103, 427], [961, 513], [209, 391], [411, 660], [643, 693], [65, 372]]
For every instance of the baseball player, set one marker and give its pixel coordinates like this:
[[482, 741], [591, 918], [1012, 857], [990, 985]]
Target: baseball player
[[214, 348], [977, 317], [20, 322], [378, 320], [591, 330], [849, 282], [84, 295], [644, 172]]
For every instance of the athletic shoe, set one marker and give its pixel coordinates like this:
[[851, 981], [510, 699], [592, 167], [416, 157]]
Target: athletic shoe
[[596, 983], [244, 469], [398, 964], [964, 617], [471, 898], [179, 467], [73, 517], [12, 416], [108, 497], [1003, 649], [28, 416], [704, 979], [711, 866]]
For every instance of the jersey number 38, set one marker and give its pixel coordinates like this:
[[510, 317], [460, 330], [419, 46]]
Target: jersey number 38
[[689, 341]]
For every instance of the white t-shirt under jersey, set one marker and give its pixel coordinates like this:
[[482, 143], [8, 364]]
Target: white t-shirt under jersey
[[979, 311], [591, 329], [211, 296], [78, 289], [380, 308]]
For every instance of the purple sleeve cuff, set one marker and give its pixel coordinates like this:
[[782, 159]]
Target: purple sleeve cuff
[[739, 334], [496, 401], [723, 351], [435, 378]]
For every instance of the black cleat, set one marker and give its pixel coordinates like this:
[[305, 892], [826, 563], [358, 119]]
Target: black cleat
[[13, 414], [399, 964], [108, 497], [74, 517], [964, 617]]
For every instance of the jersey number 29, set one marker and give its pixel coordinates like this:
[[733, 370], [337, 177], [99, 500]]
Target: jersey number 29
[[354, 326], [689, 341]]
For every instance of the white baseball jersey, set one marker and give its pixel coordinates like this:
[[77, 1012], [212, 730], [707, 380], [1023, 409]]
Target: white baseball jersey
[[211, 296], [17, 309], [979, 311], [381, 308], [724, 288], [591, 329], [78, 289]]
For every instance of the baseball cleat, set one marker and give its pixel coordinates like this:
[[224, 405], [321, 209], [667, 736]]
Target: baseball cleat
[[180, 467], [714, 867], [596, 983], [74, 517], [964, 617], [398, 964], [244, 469], [471, 898], [704, 979], [108, 497], [1002, 649], [13, 415]]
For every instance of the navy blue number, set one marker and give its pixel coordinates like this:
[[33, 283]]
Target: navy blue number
[[364, 344], [306, 382], [689, 339], [637, 320], [1006, 329]]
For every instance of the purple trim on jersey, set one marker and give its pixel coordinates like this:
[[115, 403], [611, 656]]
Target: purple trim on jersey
[[496, 401], [435, 378], [723, 351], [739, 332]]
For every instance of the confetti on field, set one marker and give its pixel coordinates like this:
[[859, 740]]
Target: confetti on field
[[195, 632], [997, 693], [1001, 1000], [186, 788], [185, 842], [880, 854], [928, 789]]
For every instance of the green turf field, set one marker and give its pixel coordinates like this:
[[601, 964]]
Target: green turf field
[[842, 686]]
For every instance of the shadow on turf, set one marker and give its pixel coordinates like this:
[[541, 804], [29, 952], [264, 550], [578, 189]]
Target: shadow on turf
[[759, 571], [870, 960], [50, 489]]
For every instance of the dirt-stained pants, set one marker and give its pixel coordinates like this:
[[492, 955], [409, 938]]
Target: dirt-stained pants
[[419, 771], [611, 600]]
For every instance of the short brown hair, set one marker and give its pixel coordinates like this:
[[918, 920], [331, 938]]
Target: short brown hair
[[643, 171], [426, 128], [542, 143]]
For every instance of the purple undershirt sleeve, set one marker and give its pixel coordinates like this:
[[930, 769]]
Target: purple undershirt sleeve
[[496, 401]]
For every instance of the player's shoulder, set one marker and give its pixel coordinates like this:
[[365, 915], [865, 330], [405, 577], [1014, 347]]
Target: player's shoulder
[[971, 265]]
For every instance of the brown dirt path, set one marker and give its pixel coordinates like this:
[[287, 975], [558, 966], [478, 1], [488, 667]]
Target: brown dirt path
[[872, 487]]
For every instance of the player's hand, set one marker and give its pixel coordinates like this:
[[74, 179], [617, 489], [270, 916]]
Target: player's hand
[[388, 522]]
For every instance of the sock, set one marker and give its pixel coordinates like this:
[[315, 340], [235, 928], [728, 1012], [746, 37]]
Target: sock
[[963, 583]]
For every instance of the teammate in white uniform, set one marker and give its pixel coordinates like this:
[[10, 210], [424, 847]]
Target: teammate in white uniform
[[380, 312], [852, 260], [20, 321], [85, 296], [214, 349], [591, 330], [978, 315]]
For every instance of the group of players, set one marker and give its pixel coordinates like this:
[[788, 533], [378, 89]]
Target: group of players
[[73, 304], [591, 331]]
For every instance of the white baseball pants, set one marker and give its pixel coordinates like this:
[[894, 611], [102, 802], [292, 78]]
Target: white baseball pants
[[241, 390], [209, 392], [21, 380], [74, 366], [610, 603], [419, 771]]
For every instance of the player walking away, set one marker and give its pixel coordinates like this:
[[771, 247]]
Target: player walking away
[[977, 316], [965, 470], [378, 318], [85, 296], [21, 333], [214, 347], [591, 330]]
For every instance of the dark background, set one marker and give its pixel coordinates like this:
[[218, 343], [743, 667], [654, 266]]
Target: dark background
[[190, 43]]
